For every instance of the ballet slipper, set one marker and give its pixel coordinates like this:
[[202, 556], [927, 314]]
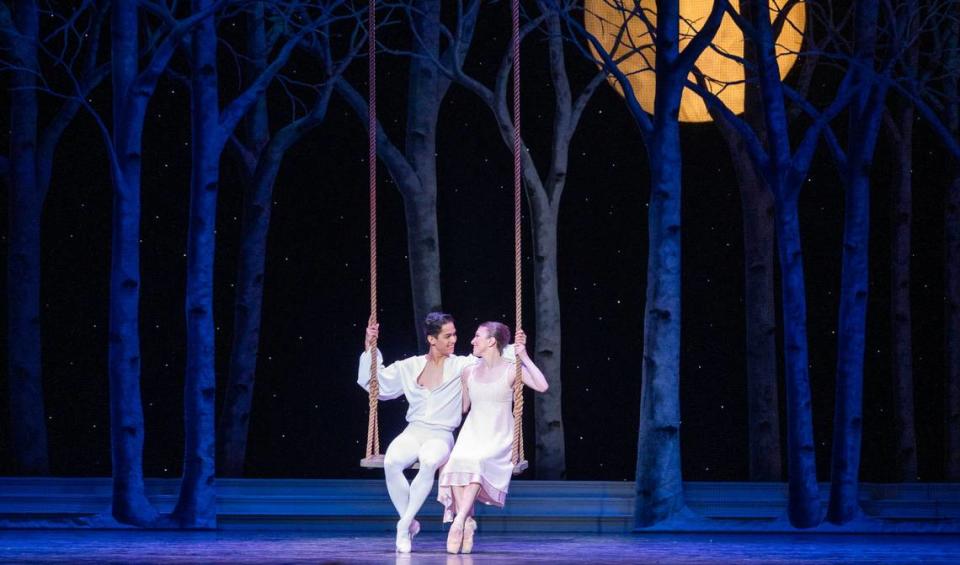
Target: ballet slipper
[[403, 541], [468, 529], [454, 538]]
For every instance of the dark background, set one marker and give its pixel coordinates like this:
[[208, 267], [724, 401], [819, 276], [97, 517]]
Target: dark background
[[309, 417]]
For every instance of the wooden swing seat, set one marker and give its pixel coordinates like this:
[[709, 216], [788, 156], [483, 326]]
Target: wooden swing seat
[[520, 467], [376, 462]]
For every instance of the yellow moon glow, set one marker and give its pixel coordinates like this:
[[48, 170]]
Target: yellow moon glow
[[605, 19]]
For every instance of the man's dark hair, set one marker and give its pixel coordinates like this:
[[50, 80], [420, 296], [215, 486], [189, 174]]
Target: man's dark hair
[[434, 323]]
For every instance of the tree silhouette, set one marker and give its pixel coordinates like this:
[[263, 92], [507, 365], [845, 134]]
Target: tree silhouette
[[28, 170], [784, 169], [544, 191], [414, 167], [260, 155], [659, 481], [211, 129]]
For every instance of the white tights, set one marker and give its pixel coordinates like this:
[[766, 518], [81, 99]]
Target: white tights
[[431, 448]]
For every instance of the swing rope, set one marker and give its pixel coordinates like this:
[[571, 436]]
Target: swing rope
[[373, 457], [516, 452], [373, 425]]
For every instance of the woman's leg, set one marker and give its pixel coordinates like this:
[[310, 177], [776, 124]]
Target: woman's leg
[[457, 498], [456, 536], [466, 510]]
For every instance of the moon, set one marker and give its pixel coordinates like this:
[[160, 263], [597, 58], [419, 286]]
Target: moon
[[605, 19]]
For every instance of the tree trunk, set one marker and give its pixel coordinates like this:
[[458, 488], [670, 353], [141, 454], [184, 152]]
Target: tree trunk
[[26, 402], [130, 504], [803, 507], [543, 196], [866, 113], [659, 480], [756, 203], [420, 211], [256, 125], [762, 389], [951, 260], [248, 304], [784, 174], [848, 408], [196, 506], [414, 170], [248, 308], [425, 92], [262, 161], [901, 338], [551, 458], [952, 334], [659, 475]]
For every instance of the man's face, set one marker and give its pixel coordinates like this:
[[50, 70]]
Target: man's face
[[445, 340]]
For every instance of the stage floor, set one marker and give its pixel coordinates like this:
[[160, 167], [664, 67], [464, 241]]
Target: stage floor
[[131, 546]]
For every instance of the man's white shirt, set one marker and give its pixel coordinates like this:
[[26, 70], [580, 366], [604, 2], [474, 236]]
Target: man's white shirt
[[440, 408]]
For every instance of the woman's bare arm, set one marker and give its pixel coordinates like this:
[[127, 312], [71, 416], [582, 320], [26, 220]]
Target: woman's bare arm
[[465, 388], [532, 375]]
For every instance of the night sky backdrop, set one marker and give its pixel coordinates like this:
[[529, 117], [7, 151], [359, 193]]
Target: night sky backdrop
[[309, 417]]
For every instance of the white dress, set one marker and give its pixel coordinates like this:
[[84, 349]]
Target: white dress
[[482, 452]]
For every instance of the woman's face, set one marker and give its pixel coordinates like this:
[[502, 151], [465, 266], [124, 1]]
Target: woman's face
[[482, 341]]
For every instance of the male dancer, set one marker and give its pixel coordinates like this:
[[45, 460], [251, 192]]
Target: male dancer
[[431, 384]]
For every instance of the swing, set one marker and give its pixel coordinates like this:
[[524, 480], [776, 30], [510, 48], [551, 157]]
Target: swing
[[374, 459]]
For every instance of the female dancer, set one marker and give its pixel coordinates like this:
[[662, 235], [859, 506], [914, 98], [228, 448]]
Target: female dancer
[[479, 467]]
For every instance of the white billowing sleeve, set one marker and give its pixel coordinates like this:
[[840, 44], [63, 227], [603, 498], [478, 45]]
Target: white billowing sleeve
[[389, 378], [462, 362]]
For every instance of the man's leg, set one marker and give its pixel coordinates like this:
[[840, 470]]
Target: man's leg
[[401, 453], [433, 454]]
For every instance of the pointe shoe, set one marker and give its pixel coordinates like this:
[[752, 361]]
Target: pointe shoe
[[403, 541], [454, 539], [468, 529], [414, 529]]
